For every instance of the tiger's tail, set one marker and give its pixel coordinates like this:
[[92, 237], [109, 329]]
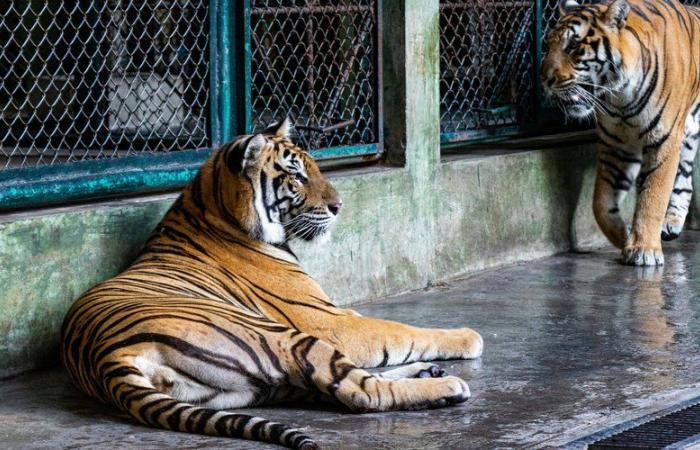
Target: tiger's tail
[[133, 393]]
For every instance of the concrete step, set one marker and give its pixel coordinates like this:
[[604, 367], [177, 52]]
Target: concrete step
[[573, 343]]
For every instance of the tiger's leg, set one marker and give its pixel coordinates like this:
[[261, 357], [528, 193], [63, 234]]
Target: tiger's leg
[[616, 172], [679, 204], [287, 393], [373, 342], [643, 246], [238, 360], [316, 365]]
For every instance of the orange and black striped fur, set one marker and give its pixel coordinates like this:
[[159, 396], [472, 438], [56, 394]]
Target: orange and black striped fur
[[216, 312], [635, 65]]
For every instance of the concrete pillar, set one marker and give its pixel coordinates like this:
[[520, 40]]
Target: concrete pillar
[[412, 113], [411, 79]]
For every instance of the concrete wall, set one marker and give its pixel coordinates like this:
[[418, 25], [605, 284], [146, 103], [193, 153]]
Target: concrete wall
[[394, 235], [694, 220], [416, 220]]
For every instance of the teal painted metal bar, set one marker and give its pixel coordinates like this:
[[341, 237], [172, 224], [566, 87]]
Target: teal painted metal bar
[[60, 184], [86, 180], [227, 99], [346, 151], [215, 108], [246, 80], [223, 66], [475, 136]]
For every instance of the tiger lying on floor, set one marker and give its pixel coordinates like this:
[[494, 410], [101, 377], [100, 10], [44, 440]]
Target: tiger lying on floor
[[635, 65], [216, 312]]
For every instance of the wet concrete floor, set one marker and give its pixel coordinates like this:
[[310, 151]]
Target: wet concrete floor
[[573, 343]]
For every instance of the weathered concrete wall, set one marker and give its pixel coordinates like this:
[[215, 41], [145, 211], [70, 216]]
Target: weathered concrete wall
[[514, 207], [46, 261], [391, 237], [694, 221]]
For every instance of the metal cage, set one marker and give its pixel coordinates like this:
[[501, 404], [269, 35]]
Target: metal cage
[[487, 62], [490, 57], [105, 98], [319, 63], [88, 80]]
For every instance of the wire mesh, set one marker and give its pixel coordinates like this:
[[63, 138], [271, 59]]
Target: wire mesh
[[84, 80], [486, 64], [316, 62]]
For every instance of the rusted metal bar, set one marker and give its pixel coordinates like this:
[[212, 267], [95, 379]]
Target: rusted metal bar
[[350, 62], [327, 129], [487, 5]]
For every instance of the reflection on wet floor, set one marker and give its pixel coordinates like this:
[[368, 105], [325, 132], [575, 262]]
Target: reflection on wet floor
[[573, 343]]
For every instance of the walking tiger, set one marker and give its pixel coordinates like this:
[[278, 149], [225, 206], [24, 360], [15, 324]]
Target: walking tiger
[[635, 66]]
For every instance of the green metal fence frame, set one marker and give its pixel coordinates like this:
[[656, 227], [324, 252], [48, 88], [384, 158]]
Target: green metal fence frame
[[229, 115]]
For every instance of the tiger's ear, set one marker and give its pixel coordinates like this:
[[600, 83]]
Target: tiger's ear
[[283, 128], [245, 154], [251, 154], [616, 15], [278, 129], [566, 6]]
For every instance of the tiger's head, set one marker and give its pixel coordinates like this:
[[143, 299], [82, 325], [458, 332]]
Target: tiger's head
[[277, 191], [585, 53]]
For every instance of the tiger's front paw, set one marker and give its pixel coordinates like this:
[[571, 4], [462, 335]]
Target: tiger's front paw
[[641, 256], [673, 225], [472, 344]]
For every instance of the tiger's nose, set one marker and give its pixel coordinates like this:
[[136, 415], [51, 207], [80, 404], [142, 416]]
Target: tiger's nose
[[334, 207]]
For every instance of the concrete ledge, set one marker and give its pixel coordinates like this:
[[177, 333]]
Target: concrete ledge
[[479, 211]]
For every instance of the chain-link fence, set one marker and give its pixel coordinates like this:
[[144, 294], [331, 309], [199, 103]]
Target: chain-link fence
[[85, 80], [490, 57], [486, 63], [317, 62]]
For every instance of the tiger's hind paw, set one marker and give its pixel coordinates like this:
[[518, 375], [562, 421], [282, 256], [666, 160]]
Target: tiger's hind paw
[[432, 371], [447, 391], [415, 370], [673, 225]]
